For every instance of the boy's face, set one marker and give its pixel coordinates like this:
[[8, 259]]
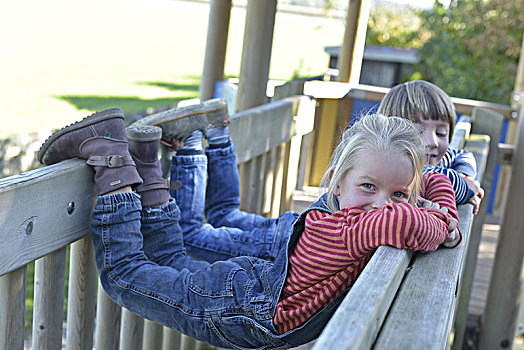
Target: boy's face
[[377, 179], [435, 135]]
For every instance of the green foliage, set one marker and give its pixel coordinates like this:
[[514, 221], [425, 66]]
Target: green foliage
[[474, 48], [394, 25]]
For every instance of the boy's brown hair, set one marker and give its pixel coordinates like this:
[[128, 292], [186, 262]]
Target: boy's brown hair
[[419, 99]]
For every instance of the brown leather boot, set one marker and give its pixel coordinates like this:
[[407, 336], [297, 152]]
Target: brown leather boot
[[101, 139], [143, 146]]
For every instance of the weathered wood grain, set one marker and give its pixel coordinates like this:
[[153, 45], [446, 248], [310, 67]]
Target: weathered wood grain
[[34, 217], [48, 300], [359, 317]]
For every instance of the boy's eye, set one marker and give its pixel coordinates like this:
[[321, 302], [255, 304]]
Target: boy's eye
[[442, 134]]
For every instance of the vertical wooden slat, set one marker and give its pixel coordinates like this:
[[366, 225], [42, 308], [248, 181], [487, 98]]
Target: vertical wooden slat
[[48, 309], [108, 314], [268, 171], [132, 331], [12, 309], [81, 296], [152, 335], [277, 186], [187, 343], [243, 173], [291, 172], [216, 44], [256, 179], [170, 339]]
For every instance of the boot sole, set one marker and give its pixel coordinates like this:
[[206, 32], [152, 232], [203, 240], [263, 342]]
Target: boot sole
[[214, 106], [89, 120], [158, 119], [143, 133]]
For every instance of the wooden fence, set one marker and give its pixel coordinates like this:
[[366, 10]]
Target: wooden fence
[[47, 210], [44, 211]]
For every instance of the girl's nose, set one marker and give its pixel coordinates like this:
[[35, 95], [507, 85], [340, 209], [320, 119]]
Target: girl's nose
[[380, 201]]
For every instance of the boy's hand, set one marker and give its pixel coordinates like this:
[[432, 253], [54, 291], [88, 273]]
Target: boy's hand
[[475, 187], [454, 235], [426, 203]]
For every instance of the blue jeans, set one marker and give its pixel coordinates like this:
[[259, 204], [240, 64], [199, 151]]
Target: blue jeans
[[229, 300], [143, 267], [227, 231]]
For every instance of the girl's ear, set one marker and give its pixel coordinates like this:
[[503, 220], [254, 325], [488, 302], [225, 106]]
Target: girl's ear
[[336, 190]]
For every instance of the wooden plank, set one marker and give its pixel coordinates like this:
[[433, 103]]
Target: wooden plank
[[359, 317], [34, 211], [336, 90], [257, 130], [503, 297], [48, 300], [488, 123], [81, 296], [153, 333], [132, 331], [421, 316], [170, 339], [12, 310], [108, 314]]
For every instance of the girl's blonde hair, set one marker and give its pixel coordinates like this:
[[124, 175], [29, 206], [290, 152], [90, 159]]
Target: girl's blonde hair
[[419, 99], [374, 133]]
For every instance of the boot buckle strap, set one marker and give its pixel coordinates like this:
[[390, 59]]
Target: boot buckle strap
[[112, 161]]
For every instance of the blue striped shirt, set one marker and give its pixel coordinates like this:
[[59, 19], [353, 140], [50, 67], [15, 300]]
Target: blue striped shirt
[[456, 161]]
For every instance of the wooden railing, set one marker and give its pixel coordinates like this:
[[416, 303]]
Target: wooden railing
[[47, 210], [406, 300]]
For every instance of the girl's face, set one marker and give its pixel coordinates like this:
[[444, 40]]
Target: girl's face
[[435, 135], [377, 179]]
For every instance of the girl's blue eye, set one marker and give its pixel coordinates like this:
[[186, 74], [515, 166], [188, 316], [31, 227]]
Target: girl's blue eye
[[399, 194], [368, 186]]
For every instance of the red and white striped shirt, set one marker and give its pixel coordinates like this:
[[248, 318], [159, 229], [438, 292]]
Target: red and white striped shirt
[[334, 248]]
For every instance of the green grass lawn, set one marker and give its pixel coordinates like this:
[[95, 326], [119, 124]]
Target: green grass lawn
[[63, 59]]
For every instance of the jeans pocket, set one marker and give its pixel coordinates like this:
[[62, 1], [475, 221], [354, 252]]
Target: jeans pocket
[[217, 283]]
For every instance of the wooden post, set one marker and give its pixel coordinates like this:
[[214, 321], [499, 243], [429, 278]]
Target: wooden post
[[217, 32], [505, 288], [485, 122], [48, 310], [352, 51], [12, 310], [256, 53]]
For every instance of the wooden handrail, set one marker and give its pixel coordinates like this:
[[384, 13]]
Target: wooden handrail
[[46, 209]]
